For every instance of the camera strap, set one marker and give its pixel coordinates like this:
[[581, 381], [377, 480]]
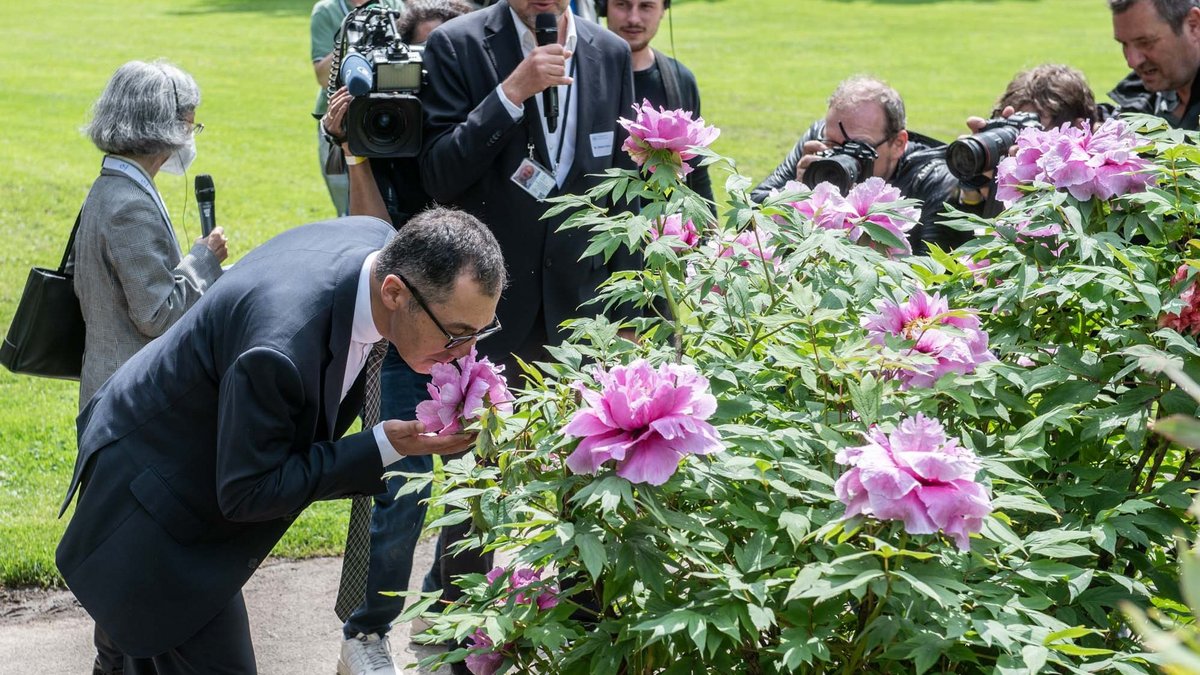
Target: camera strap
[[136, 175]]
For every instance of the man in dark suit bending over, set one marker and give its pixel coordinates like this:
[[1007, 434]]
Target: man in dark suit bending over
[[197, 455], [486, 126]]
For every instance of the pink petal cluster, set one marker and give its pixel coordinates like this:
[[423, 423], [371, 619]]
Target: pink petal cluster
[[520, 580], [645, 419], [1085, 163], [756, 244], [826, 207], [459, 390], [484, 658], [1187, 321], [924, 319], [667, 136], [1045, 236], [674, 226], [916, 475]]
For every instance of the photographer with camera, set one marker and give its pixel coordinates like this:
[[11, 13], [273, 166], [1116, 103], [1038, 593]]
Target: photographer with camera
[[324, 24], [862, 135], [1045, 97], [388, 187], [1161, 42]]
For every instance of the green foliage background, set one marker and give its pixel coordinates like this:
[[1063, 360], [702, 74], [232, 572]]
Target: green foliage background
[[765, 68]]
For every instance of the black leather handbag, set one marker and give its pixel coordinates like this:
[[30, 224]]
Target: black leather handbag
[[47, 331]]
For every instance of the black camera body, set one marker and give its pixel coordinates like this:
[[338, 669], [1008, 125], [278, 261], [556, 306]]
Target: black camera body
[[384, 75], [844, 166], [969, 158]]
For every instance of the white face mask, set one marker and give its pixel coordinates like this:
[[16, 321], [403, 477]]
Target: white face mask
[[181, 159]]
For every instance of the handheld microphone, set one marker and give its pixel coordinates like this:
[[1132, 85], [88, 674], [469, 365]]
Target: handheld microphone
[[546, 30], [206, 199]]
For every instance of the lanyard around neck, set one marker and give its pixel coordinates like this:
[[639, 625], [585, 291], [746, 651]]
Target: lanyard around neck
[[135, 174]]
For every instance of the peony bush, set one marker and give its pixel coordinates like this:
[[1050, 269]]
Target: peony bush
[[823, 455]]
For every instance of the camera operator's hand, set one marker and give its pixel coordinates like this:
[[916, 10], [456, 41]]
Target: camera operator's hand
[[217, 243], [334, 121], [810, 151], [976, 124], [545, 67]]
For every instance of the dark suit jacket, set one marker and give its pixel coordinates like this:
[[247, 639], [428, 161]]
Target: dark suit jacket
[[472, 148], [200, 451]]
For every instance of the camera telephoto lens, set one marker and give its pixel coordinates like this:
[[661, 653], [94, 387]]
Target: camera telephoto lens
[[972, 156], [841, 170], [385, 124]]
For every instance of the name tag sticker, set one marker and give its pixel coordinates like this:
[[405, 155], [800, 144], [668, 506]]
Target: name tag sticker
[[602, 144], [534, 179]]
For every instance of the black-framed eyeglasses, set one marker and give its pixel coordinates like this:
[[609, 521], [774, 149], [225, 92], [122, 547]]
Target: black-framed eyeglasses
[[452, 340], [197, 128]]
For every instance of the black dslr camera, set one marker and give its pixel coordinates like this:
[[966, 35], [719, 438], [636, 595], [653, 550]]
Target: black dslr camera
[[384, 75], [844, 165], [969, 158]]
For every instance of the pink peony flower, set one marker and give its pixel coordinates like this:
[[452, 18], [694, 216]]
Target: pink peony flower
[[1085, 163], [520, 580], [484, 659], [756, 244], [666, 136], [1187, 321], [459, 390], [923, 319], [674, 226], [916, 475], [645, 419], [976, 268], [826, 207]]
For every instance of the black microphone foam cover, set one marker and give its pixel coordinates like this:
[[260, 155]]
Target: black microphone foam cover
[[546, 28], [205, 191]]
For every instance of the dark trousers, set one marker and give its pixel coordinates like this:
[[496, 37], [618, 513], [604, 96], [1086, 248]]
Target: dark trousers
[[222, 647], [396, 521]]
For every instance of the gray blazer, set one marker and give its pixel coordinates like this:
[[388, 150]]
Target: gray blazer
[[131, 281]]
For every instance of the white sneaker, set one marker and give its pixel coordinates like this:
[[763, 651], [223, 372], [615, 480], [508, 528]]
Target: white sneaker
[[366, 655]]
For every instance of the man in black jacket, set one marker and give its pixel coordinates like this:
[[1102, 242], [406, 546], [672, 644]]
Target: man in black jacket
[[867, 110], [658, 78], [1161, 41]]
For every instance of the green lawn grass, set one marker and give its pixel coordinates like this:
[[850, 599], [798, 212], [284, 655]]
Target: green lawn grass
[[765, 68]]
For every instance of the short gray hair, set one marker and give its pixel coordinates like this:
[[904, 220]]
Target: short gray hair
[[142, 108], [860, 89], [437, 246], [1171, 11]]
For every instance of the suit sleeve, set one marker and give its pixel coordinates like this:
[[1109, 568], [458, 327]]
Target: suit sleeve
[[462, 140], [786, 170], [266, 468], [140, 249]]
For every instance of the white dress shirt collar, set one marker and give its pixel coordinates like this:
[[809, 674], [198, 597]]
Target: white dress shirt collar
[[363, 333]]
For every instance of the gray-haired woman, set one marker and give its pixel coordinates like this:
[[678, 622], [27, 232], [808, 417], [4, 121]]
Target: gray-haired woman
[[131, 279]]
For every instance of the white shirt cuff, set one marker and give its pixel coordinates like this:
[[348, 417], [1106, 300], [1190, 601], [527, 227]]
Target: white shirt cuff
[[387, 454], [514, 110]]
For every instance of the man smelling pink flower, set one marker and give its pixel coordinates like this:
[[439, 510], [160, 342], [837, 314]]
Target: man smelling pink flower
[[1087, 164], [918, 476], [665, 137], [953, 339], [647, 420], [459, 390]]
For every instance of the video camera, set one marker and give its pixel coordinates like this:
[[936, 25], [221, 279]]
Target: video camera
[[384, 75], [969, 158]]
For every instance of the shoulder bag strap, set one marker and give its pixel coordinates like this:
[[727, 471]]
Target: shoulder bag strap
[[62, 266]]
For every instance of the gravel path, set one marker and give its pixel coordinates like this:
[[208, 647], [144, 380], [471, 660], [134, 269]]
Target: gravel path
[[291, 618]]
